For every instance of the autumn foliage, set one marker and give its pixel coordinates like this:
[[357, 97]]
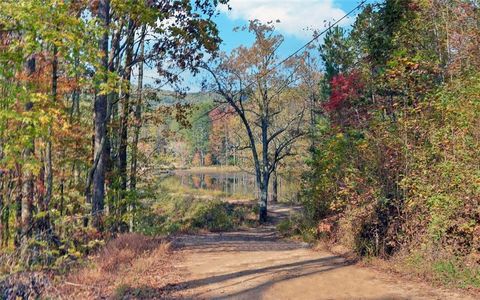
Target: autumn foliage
[[394, 169], [345, 88]]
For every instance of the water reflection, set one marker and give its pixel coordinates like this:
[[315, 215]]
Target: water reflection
[[239, 184], [228, 183]]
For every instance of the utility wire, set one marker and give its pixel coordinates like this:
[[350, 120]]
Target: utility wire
[[304, 46], [315, 37]]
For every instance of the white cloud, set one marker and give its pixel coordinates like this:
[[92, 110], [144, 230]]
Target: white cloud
[[297, 17]]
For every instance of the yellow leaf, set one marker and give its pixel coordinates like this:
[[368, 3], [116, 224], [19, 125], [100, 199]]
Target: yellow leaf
[[44, 120]]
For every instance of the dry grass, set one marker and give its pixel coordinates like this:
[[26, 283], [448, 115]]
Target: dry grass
[[124, 249], [132, 266]]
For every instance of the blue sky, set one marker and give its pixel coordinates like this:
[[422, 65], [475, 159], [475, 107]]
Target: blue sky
[[297, 18]]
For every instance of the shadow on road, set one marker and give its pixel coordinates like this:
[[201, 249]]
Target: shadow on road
[[281, 271]]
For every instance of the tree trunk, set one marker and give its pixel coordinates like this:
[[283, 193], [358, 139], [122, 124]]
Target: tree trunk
[[5, 219], [75, 115], [62, 194], [138, 116], [122, 151], [265, 165], [27, 198], [18, 209], [2, 193], [75, 109], [27, 187], [18, 219], [275, 187], [100, 119], [263, 202], [137, 124], [48, 151]]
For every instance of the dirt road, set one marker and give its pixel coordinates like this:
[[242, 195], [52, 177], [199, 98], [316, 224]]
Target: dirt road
[[257, 264]]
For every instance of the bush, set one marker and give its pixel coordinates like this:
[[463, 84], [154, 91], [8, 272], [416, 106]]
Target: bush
[[213, 216], [46, 250], [123, 249], [187, 214], [298, 226]]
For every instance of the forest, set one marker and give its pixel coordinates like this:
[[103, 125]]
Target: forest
[[362, 143]]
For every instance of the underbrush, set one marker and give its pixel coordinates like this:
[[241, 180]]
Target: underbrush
[[405, 191], [98, 260], [171, 214], [447, 270], [454, 271], [122, 261], [346, 235], [122, 265], [441, 263], [296, 226], [46, 251]]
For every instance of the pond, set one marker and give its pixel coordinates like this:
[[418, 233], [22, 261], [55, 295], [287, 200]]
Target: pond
[[225, 184], [240, 183]]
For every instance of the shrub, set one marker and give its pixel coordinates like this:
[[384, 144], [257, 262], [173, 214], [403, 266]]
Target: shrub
[[187, 214], [123, 249], [213, 215]]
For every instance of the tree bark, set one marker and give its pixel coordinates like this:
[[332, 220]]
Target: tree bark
[[1, 207], [137, 126], [275, 187], [75, 109], [137, 115], [18, 215], [265, 158], [3, 195], [27, 187], [48, 150], [100, 119], [122, 151], [262, 215]]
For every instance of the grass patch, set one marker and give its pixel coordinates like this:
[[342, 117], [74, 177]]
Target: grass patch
[[297, 227], [173, 214], [453, 272], [449, 271]]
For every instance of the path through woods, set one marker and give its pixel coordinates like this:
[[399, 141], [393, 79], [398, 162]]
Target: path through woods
[[257, 264]]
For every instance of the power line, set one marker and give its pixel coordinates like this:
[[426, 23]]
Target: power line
[[316, 36], [304, 46]]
